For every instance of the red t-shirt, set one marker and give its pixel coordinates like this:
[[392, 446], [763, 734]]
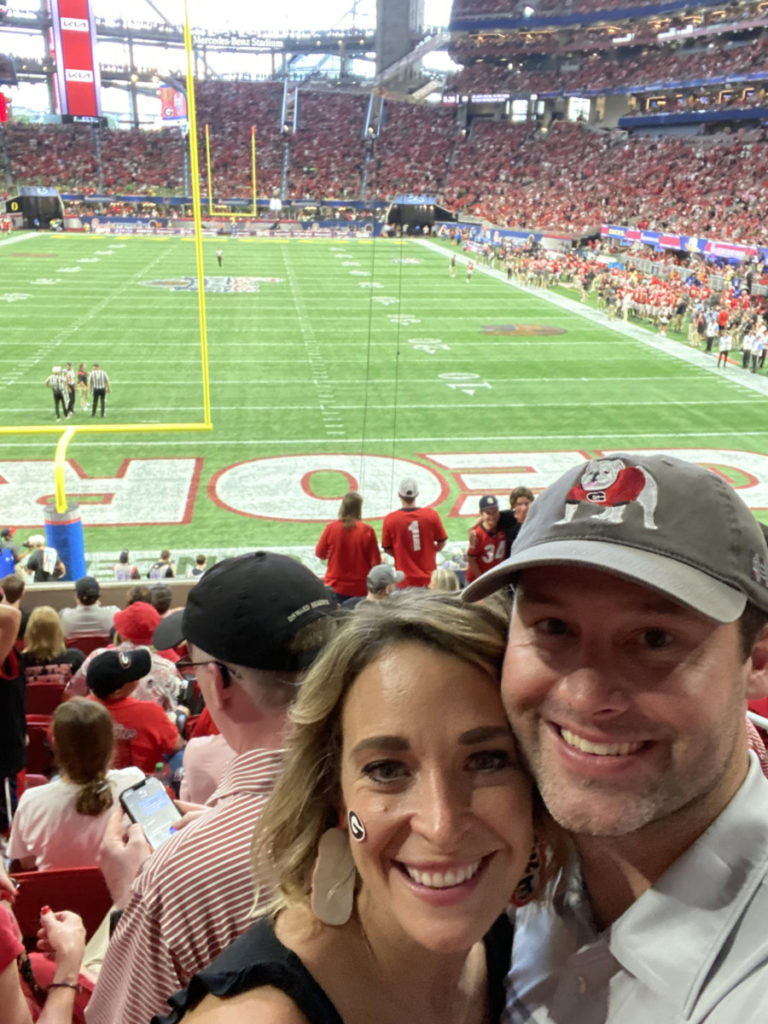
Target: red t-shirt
[[143, 732], [411, 534], [351, 555], [488, 548], [10, 947], [10, 939]]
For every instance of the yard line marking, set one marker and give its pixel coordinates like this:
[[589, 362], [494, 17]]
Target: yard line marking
[[717, 437]]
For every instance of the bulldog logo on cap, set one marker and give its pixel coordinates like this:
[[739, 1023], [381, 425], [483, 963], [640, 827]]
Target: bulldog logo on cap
[[613, 485]]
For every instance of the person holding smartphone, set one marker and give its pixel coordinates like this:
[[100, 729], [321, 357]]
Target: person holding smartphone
[[252, 626]]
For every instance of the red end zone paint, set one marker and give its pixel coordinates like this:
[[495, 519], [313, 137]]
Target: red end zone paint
[[163, 491]]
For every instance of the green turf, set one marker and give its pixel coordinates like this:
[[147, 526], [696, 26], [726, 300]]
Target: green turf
[[353, 352]]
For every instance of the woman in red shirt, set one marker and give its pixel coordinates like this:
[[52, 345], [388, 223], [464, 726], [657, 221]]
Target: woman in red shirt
[[351, 548]]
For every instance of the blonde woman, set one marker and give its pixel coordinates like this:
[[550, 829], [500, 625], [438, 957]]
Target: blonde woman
[[444, 580], [398, 833], [45, 653]]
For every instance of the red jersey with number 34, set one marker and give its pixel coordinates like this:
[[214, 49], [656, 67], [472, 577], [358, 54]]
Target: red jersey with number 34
[[411, 534], [488, 548]]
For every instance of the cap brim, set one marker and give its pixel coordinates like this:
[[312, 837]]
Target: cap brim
[[683, 583], [170, 632], [399, 577]]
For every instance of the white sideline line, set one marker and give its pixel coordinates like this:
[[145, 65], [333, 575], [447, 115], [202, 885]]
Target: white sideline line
[[330, 415], [676, 349], [22, 236], [448, 440]]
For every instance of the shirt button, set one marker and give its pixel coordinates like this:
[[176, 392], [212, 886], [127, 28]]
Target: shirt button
[[581, 985]]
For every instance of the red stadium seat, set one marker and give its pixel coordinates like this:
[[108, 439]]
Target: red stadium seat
[[39, 750], [87, 644], [29, 780], [82, 890], [44, 697]]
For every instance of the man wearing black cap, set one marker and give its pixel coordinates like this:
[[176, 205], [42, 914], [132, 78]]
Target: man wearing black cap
[[89, 617], [638, 633], [144, 735], [252, 626], [488, 544], [413, 536]]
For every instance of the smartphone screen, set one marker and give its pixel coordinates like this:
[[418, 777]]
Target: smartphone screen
[[148, 803]]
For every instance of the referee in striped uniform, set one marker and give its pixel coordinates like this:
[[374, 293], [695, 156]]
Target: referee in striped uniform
[[57, 382], [99, 385]]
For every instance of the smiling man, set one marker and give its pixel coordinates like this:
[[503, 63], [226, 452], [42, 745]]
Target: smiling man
[[637, 636]]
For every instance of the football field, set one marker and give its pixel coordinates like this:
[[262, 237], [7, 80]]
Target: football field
[[333, 364]]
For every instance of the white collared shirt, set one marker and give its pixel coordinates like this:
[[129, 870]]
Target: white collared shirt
[[693, 949]]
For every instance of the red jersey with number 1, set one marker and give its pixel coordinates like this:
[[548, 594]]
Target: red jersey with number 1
[[411, 534]]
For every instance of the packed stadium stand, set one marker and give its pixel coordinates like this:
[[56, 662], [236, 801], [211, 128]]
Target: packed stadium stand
[[569, 179], [612, 71], [480, 157], [516, 8], [413, 150]]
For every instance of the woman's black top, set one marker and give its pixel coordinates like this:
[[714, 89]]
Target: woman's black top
[[258, 958]]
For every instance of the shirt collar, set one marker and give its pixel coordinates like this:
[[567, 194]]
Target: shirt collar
[[255, 771], [671, 937]]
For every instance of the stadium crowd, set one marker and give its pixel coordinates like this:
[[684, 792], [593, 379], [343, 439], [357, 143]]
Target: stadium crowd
[[413, 151], [568, 179], [516, 8], [185, 883], [660, 290], [572, 179], [624, 69], [555, 176]]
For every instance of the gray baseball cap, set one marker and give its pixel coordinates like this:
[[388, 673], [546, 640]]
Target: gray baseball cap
[[408, 488], [670, 525], [381, 576]]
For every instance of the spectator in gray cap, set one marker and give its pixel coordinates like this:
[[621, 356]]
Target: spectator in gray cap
[[381, 581], [638, 634]]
